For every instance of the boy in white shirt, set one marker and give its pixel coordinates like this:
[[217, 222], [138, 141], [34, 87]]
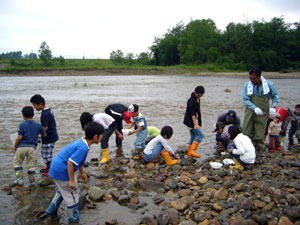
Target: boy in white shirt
[[242, 151], [158, 145]]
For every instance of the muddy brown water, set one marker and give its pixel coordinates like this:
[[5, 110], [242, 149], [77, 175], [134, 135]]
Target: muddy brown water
[[162, 100]]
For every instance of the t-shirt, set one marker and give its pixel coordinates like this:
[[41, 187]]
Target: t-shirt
[[140, 120], [153, 131], [76, 152], [104, 119], [30, 130], [48, 120], [154, 142]]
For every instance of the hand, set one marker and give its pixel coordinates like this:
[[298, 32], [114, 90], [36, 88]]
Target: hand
[[14, 150], [272, 112], [83, 177], [121, 137], [72, 184], [258, 111], [196, 126], [230, 150], [175, 156], [130, 133]]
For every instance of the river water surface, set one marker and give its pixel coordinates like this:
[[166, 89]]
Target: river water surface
[[162, 100]]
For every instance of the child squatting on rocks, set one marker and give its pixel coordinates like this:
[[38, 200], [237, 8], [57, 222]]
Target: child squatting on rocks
[[25, 146], [159, 145], [63, 168], [242, 151]]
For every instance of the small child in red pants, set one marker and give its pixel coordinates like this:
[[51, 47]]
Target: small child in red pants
[[274, 134]]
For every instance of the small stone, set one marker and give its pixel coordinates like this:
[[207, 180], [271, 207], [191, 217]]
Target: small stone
[[179, 204], [130, 175], [205, 222], [259, 204], [240, 186], [285, 221], [291, 199], [185, 192], [269, 206], [221, 194], [203, 180], [217, 207]]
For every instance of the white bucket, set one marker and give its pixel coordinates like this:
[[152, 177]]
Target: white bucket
[[126, 131]]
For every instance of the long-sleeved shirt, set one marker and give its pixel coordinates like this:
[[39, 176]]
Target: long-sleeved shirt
[[274, 128], [258, 90], [154, 142], [244, 148]]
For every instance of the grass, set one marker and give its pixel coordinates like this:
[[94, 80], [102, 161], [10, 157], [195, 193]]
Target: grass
[[98, 64]]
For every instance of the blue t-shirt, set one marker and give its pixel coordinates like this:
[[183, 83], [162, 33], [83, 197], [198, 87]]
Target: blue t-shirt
[[48, 120], [30, 130], [76, 152]]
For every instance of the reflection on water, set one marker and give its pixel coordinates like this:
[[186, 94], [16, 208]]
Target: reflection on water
[[162, 101]]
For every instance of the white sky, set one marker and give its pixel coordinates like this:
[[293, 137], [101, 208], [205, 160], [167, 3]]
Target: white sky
[[95, 28]]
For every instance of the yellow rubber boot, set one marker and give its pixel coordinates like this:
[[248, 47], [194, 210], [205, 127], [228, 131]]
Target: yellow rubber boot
[[192, 150], [169, 161], [237, 165], [105, 156]]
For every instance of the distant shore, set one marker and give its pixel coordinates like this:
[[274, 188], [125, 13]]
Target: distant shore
[[99, 72]]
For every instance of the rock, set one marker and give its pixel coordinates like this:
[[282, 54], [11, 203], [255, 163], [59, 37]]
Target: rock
[[285, 221], [123, 199], [184, 177], [130, 175], [188, 222], [228, 90], [283, 162], [269, 206], [292, 200], [111, 222], [240, 186], [44, 181], [244, 203], [294, 213], [148, 221], [95, 193], [259, 204], [260, 219], [217, 207], [205, 222], [133, 206], [163, 219], [239, 222], [158, 198], [278, 194], [185, 192], [221, 194], [201, 215], [174, 217], [255, 184], [228, 183], [150, 166], [203, 180], [179, 204], [134, 200], [150, 185]]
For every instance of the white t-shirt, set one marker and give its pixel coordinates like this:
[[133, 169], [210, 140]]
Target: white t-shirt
[[154, 142], [244, 148], [104, 119]]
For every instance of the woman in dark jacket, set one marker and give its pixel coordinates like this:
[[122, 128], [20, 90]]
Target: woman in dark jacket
[[192, 119]]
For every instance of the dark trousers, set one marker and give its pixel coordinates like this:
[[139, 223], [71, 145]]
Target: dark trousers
[[119, 128], [294, 130], [106, 135], [274, 142]]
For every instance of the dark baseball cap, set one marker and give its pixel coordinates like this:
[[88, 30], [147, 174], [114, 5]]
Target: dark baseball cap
[[231, 115], [28, 111]]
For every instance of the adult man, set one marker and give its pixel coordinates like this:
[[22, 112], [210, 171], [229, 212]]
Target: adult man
[[256, 94], [229, 117]]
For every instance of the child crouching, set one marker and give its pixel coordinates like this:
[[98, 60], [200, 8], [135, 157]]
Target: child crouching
[[242, 151], [158, 145], [63, 168]]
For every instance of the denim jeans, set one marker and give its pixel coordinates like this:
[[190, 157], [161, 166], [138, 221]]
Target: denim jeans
[[154, 154], [139, 142], [196, 135]]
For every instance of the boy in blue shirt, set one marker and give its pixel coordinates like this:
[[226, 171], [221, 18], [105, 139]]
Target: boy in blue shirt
[[63, 167], [49, 125], [25, 146], [139, 122]]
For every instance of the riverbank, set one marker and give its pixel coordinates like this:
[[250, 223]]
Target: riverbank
[[173, 71], [190, 193]]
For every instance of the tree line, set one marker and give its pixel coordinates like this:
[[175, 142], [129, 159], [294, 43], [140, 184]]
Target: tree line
[[273, 46]]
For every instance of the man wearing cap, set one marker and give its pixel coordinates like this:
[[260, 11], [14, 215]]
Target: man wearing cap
[[229, 117], [256, 94], [119, 112]]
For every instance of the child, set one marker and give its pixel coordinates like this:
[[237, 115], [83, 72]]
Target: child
[[295, 126], [139, 122], [192, 119], [70, 159], [49, 125], [242, 151], [222, 136], [25, 146], [110, 127], [158, 145], [274, 134]]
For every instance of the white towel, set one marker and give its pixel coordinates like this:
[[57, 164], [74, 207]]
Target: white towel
[[265, 87]]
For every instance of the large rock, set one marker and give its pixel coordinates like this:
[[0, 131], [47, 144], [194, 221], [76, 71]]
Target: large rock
[[292, 200], [150, 185], [203, 180], [285, 221], [95, 193], [201, 215], [221, 194], [180, 204]]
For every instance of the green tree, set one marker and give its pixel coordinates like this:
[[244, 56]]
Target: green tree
[[117, 56], [144, 58], [45, 53]]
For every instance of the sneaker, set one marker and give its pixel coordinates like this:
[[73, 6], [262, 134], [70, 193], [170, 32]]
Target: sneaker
[[278, 148], [44, 170]]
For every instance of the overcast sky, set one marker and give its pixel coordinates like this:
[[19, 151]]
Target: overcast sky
[[95, 28]]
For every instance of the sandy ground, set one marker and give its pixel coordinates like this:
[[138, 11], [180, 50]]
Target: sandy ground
[[141, 72]]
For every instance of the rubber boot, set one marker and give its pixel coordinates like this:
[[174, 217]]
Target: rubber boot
[[54, 205], [138, 154], [237, 165], [73, 213], [169, 161], [19, 182], [46, 174], [192, 152], [31, 176], [105, 156]]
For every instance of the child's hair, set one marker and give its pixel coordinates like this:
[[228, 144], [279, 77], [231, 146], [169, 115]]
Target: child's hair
[[167, 130], [234, 131], [38, 99], [200, 90], [85, 118], [297, 106], [28, 111], [133, 108], [93, 129]]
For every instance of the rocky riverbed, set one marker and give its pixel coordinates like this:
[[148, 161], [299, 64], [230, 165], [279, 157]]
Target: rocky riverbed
[[188, 193]]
